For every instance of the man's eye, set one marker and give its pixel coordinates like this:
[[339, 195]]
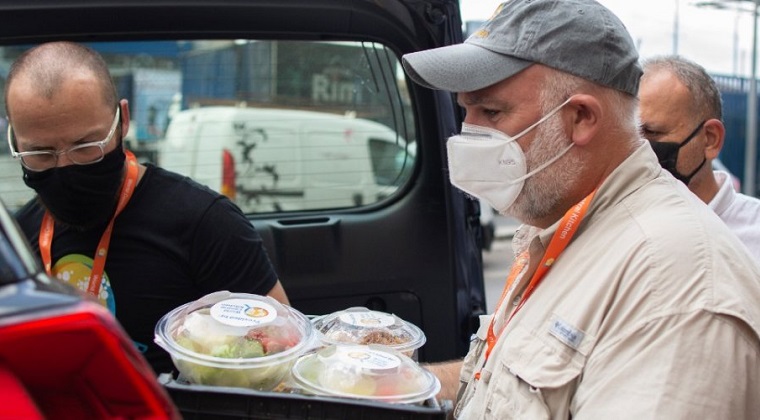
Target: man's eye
[[647, 133]]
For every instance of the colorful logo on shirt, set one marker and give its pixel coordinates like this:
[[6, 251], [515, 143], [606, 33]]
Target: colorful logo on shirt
[[75, 270]]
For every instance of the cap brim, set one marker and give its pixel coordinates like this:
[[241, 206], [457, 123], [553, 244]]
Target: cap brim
[[461, 67]]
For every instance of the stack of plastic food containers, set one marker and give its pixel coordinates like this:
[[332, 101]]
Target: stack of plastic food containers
[[366, 354], [250, 350]]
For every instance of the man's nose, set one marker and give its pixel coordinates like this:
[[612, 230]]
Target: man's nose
[[471, 118], [63, 160]]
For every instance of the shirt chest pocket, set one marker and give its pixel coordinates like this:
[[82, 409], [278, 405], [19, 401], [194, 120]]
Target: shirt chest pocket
[[532, 377]]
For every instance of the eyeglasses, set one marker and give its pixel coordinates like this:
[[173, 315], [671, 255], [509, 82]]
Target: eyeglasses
[[81, 154]]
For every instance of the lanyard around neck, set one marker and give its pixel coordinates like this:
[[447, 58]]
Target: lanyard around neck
[[561, 238], [99, 260]]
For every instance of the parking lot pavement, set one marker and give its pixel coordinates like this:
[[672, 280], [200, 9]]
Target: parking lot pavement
[[498, 260]]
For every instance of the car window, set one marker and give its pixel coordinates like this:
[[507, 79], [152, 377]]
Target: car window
[[276, 125]]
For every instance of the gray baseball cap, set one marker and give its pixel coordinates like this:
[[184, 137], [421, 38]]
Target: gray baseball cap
[[580, 37]]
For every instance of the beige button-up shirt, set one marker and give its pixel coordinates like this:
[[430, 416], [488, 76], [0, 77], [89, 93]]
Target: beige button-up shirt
[[651, 312]]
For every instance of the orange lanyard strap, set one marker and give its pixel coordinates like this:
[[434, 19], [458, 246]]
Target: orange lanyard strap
[[99, 260], [558, 243]]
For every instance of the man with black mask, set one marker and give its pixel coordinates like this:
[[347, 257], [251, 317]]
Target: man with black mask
[[140, 239], [681, 115]]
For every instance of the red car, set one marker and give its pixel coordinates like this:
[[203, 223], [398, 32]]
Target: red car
[[61, 355]]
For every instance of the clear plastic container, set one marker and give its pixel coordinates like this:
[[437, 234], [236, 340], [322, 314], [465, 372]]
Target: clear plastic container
[[235, 339], [369, 372], [359, 325]]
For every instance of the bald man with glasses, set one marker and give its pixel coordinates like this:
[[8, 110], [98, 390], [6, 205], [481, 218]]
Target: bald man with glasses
[[139, 239]]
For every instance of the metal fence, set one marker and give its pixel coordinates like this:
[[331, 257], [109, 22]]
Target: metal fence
[[734, 91]]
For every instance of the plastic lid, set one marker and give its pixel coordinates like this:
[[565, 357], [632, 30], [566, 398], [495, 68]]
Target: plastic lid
[[368, 372], [233, 331], [359, 325]]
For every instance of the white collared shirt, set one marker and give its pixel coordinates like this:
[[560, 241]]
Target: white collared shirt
[[740, 212]]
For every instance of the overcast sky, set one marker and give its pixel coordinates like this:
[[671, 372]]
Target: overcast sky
[[705, 35]]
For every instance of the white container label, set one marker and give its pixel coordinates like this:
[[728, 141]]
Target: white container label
[[367, 319], [367, 358], [243, 312]]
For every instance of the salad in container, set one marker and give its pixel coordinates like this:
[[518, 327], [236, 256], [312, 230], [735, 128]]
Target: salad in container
[[359, 325], [370, 372], [235, 339]]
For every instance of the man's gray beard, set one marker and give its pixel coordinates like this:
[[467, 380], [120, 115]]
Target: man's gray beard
[[546, 189]]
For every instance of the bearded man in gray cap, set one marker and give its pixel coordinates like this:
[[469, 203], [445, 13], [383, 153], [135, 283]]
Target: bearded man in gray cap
[[628, 297]]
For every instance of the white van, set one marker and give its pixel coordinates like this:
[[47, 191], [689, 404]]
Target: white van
[[286, 160]]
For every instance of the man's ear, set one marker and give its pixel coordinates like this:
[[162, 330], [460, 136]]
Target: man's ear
[[715, 134], [586, 118], [124, 108]]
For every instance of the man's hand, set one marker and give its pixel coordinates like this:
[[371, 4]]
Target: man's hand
[[448, 374]]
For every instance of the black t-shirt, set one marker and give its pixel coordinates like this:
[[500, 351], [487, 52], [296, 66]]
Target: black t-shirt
[[174, 242]]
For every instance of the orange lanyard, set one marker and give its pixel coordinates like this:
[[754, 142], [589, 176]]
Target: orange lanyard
[[99, 260], [559, 242]]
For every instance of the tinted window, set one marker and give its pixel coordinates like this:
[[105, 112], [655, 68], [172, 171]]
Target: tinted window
[[276, 125]]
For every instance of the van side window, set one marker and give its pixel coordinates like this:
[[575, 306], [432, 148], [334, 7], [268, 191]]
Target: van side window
[[276, 125]]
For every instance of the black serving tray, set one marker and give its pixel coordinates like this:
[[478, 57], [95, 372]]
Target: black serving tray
[[215, 402]]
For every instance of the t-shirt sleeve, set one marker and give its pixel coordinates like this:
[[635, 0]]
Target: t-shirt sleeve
[[228, 254]]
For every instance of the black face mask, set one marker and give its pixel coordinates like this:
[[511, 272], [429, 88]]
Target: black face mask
[[80, 196], [667, 154]]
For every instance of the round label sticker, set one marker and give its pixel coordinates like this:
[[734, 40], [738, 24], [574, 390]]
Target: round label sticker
[[367, 319], [368, 358], [243, 312]]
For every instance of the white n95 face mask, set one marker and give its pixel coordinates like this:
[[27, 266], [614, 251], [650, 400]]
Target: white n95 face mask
[[490, 165]]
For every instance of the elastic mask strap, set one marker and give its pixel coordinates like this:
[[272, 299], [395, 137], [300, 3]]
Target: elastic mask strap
[[692, 135], [543, 165], [686, 179], [473, 130], [544, 118]]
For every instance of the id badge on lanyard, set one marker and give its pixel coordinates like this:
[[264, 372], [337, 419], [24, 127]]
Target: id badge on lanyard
[[99, 259]]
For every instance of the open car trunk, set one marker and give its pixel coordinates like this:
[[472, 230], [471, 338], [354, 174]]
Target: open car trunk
[[404, 241]]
